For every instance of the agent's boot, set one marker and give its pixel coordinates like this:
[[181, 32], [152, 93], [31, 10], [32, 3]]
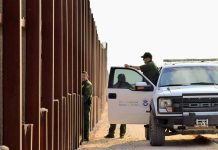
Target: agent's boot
[[109, 136], [121, 136], [111, 131], [122, 130]]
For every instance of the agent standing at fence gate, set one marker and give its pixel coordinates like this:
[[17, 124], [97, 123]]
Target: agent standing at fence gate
[[87, 101]]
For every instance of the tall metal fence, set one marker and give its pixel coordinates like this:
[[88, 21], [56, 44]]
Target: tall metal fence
[[44, 47]]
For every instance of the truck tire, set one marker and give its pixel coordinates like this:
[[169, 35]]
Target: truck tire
[[157, 135], [147, 133]]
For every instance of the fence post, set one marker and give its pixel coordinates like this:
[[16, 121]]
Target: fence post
[[33, 68], [4, 148], [58, 66], [56, 125], [48, 65], [12, 74], [44, 129], [27, 137]]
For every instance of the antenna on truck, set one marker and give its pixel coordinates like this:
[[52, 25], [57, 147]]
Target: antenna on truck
[[190, 60]]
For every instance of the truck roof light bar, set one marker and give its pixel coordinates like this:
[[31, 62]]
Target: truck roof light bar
[[191, 60]]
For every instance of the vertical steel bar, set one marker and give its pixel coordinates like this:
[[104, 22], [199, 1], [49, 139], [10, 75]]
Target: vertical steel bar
[[64, 120], [61, 124], [105, 74], [48, 65], [56, 125], [44, 129], [70, 66], [89, 62], [85, 36], [12, 75], [93, 37], [68, 121], [58, 64], [75, 68], [95, 57], [79, 67], [33, 68], [100, 77], [83, 67], [93, 113], [98, 62], [27, 137], [75, 46], [89, 41], [65, 48], [70, 46], [1, 79], [65, 67], [97, 69], [78, 119], [71, 122], [80, 46], [74, 119], [82, 36], [92, 52], [76, 122]]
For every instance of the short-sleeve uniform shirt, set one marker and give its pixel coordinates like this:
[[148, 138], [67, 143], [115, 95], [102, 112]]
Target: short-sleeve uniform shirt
[[150, 70]]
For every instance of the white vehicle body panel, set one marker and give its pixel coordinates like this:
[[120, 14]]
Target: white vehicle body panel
[[129, 107]]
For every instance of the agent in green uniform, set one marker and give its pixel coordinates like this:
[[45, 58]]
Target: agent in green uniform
[[87, 101], [121, 83], [149, 69]]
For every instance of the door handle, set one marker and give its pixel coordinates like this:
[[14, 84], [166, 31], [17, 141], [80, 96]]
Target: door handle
[[112, 95]]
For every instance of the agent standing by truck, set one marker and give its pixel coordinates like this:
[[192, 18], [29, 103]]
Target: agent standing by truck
[[149, 69], [123, 84]]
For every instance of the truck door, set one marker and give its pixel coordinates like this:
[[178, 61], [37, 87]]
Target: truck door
[[129, 96]]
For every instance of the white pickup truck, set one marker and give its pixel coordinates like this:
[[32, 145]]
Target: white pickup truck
[[185, 100]]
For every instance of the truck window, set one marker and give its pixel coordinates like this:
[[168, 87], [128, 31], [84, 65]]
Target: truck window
[[131, 78], [189, 75]]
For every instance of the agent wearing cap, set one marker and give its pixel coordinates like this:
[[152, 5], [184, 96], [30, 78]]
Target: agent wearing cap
[[87, 101], [149, 69], [121, 83]]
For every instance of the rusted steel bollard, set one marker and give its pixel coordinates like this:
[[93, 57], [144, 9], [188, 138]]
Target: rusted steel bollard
[[44, 129], [56, 124], [27, 137]]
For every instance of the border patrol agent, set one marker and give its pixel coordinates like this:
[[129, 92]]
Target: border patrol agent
[[87, 101], [149, 69], [125, 85]]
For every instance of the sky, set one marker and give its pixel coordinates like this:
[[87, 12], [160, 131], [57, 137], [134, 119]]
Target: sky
[[169, 29]]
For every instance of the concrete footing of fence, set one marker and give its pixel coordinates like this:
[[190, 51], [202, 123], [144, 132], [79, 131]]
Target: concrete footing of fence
[[4, 148]]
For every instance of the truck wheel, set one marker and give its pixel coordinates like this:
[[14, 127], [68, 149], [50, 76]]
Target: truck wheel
[[147, 132], [157, 135]]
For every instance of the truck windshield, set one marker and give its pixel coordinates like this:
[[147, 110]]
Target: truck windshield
[[189, 75]]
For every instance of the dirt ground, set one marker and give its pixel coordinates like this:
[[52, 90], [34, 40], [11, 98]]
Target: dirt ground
[[135, 139]]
